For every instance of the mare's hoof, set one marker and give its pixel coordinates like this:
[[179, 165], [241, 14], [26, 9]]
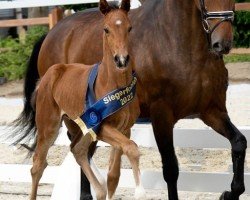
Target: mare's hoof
[[222, 197], [226, 196], [86, 197]]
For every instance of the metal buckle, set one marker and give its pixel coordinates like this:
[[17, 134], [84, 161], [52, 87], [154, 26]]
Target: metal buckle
[[205, 25]]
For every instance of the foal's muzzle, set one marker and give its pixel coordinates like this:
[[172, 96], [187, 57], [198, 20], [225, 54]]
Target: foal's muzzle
[[121, 61]]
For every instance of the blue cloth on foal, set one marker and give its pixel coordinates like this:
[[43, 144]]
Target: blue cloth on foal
[[97, 111]]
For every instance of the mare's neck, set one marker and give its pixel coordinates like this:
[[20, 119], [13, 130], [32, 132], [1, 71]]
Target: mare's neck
[[186, 24], [109, 75], [178, 25]]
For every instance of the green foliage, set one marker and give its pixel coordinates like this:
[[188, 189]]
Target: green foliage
[[241, 1], [15, 54], [242, 29], [232, 58]]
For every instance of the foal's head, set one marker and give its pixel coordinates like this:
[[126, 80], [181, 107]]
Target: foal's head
[[116, 30], [217, 21]]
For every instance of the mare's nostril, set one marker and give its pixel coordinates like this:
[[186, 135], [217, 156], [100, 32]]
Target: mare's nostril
[[217, 47]]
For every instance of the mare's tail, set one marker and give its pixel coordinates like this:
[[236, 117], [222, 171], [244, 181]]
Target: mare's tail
[[24, 127]]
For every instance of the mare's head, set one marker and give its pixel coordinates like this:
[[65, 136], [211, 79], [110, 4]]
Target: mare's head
[[217, 18], [116, 30]]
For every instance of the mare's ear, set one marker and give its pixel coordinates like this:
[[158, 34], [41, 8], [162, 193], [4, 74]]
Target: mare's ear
[[125, 5], [104, 7]]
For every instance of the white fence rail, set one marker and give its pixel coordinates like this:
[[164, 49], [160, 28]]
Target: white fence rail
[[35, 3]]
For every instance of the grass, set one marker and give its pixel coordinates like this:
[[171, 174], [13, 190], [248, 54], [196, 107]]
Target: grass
[[233, 58]]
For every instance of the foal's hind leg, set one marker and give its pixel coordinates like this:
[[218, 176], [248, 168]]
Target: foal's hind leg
[[47, 129], [129, 148], [221, 123]]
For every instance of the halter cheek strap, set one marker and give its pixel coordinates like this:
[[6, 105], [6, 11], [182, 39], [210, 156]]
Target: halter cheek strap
[[220, 15]]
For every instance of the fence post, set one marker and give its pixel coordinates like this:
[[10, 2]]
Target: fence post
[[20, 30], [55, 16]]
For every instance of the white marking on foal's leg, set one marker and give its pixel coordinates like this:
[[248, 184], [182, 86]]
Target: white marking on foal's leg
[[140, 192], [107, 198], [98, 175]]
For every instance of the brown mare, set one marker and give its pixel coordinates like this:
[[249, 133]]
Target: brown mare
[[61, 93], [178, 58]]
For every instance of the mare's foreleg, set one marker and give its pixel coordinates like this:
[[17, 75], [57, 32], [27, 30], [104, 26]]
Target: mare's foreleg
[[129, 148], [48, 124], [221, 123], [80, 151], [163, 123]]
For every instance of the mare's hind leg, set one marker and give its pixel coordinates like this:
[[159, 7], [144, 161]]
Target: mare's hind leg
[[48, 124], [129, 148], [80, 149], [163, 123], [221, 123]]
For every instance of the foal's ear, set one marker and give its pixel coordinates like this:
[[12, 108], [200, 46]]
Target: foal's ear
[[125, 5], [104, 7]]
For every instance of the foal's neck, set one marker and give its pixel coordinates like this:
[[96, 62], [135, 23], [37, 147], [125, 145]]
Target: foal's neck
[[110, 76]]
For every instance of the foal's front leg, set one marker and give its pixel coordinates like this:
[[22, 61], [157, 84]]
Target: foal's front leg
[[80, 152], [221, 123], [129, 148], [114, 168], [73, 131], [114, 171]]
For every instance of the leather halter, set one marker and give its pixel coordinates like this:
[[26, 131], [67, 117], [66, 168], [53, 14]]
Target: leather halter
[[220, 15]]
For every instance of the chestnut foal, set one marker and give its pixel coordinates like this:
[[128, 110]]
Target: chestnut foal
[[61, 94]]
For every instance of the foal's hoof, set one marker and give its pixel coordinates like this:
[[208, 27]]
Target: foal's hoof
[[140, 193], [86, 197]]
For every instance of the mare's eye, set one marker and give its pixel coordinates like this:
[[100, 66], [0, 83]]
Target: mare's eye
[[106, 30], [129, 29]]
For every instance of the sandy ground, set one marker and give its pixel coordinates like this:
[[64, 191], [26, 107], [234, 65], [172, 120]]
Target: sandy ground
[[190, 159], [21, 191]]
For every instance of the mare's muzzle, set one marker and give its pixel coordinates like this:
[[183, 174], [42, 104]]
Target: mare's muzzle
[[221, 46], [121, 61]]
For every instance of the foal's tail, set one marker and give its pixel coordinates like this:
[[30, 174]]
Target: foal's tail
[[24, 126]]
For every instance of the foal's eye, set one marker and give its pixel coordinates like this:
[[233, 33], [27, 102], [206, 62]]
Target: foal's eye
[[129, 29], [106, 30]]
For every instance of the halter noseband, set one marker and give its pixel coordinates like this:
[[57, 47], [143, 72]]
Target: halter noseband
[[221, 15]]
